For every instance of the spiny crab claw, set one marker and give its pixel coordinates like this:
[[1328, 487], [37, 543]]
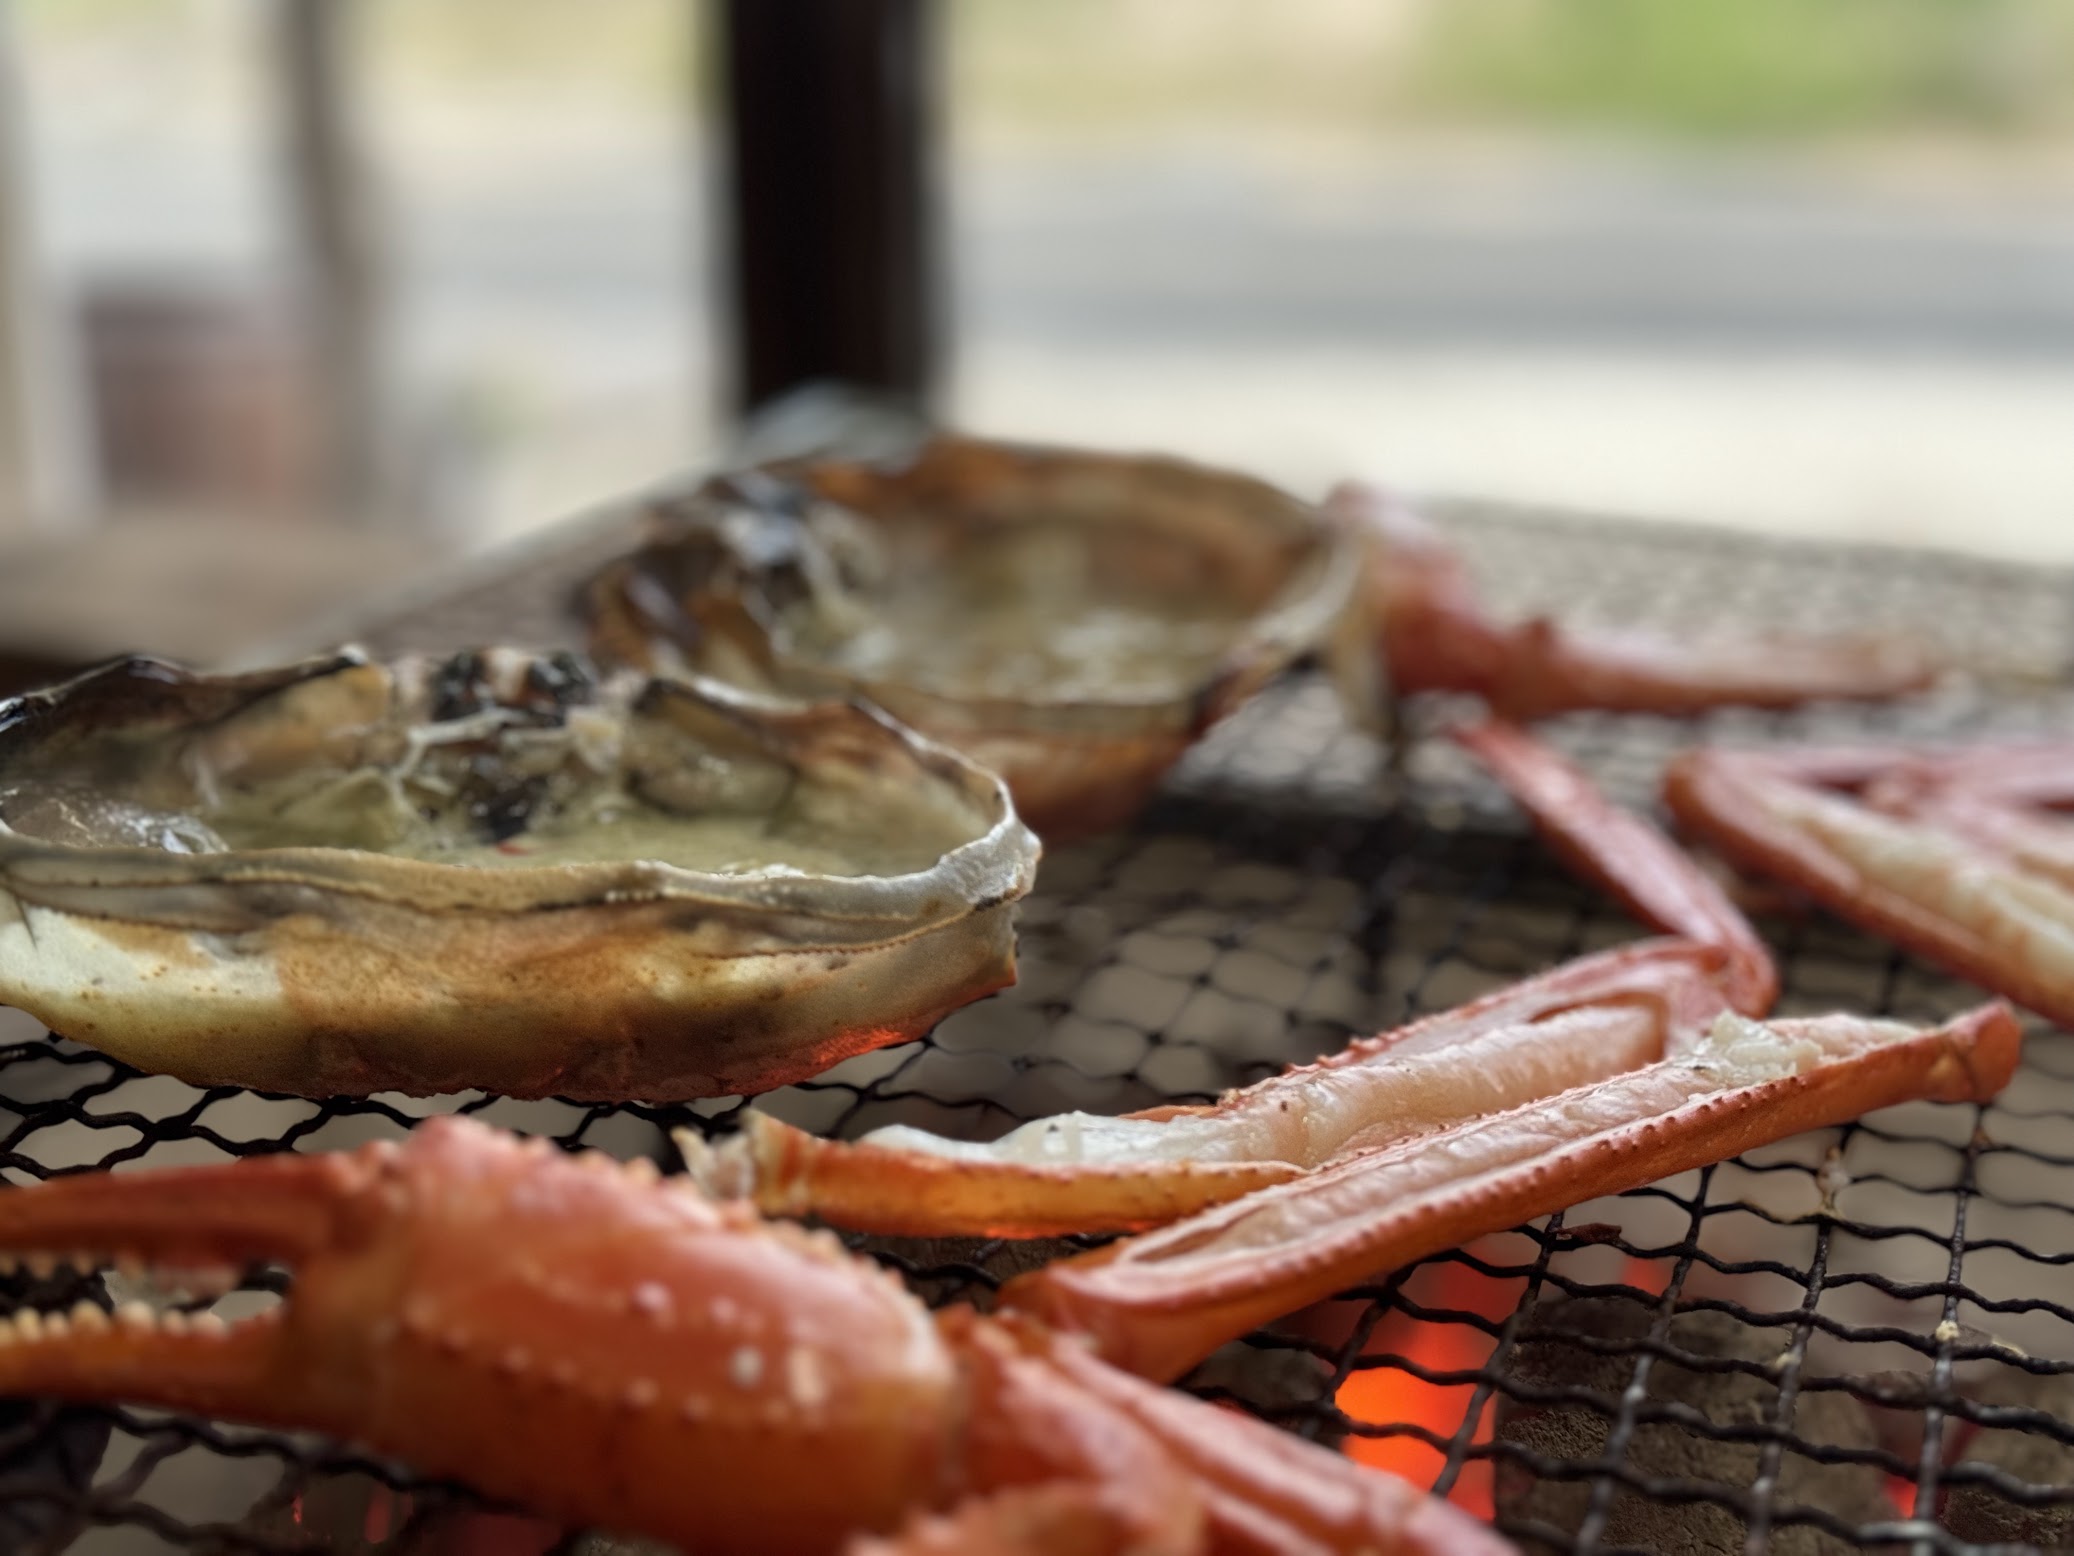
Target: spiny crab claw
[[551, 1329], [619, 1351]]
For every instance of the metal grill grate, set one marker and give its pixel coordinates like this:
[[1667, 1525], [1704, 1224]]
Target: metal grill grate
[[1894, 1295]]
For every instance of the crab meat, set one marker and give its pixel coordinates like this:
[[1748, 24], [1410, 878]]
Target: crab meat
[[1158, 1303], [1949, 855], [1077, 1173]]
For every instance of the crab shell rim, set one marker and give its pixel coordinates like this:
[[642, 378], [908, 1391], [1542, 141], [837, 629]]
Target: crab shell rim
[[486, 947]]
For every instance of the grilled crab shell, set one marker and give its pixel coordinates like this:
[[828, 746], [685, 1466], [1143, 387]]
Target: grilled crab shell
[[1071, 620], [344, 877]]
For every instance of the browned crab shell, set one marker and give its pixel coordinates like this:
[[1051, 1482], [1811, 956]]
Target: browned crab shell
[[489, 871], [1072, 620]]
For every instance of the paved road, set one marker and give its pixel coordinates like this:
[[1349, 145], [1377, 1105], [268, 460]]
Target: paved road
[[1724, 344], [1189, 249], [1643, 258]]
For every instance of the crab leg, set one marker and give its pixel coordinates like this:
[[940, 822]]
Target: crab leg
[[1436, 636], [1065, 1453], [1625, 854], [1997, 798], [1936, 893], [1159, 1303], [1080, 1173], [1264, 1489], [2028, 773], [617, 1351], [2041, 845]]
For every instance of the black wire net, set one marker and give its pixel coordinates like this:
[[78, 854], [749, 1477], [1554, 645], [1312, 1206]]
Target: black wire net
[[1860, 1339]]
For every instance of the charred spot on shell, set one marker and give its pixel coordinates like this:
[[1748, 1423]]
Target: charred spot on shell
[[460, 687], [768, 545], [545, 689], [1721, 1368], [498, 805], [561, 681]]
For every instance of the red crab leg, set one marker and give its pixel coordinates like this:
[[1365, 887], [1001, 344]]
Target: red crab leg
[[2029, 772], [1041, 1520], [1911, 882], [1625, 854], [1076, 1173], [1437, 637], [1159, 1303], [1064, 1453], [2034, 773], [1264, 1489], [1988, 794]]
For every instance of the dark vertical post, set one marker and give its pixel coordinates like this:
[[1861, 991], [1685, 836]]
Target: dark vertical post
[[337, 267], [828, 108]]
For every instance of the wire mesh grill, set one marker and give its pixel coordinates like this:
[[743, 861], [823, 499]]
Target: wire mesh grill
[[1887, 1360]]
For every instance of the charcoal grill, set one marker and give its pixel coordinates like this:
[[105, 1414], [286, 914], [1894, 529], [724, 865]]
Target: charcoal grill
[[1297, 883]]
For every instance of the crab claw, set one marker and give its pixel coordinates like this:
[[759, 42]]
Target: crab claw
[[488, 1309], [199, 1221]]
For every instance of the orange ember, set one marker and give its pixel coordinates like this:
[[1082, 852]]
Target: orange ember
[[1650, 1275], [1382, 1394]]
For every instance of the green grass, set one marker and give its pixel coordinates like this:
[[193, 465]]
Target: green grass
[[1773, 68], [1692, 68]]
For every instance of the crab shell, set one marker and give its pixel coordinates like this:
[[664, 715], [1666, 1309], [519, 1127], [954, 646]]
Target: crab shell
[[330, 970], [711, 590]]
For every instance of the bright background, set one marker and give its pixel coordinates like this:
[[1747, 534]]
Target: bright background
[[1806, 265]]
